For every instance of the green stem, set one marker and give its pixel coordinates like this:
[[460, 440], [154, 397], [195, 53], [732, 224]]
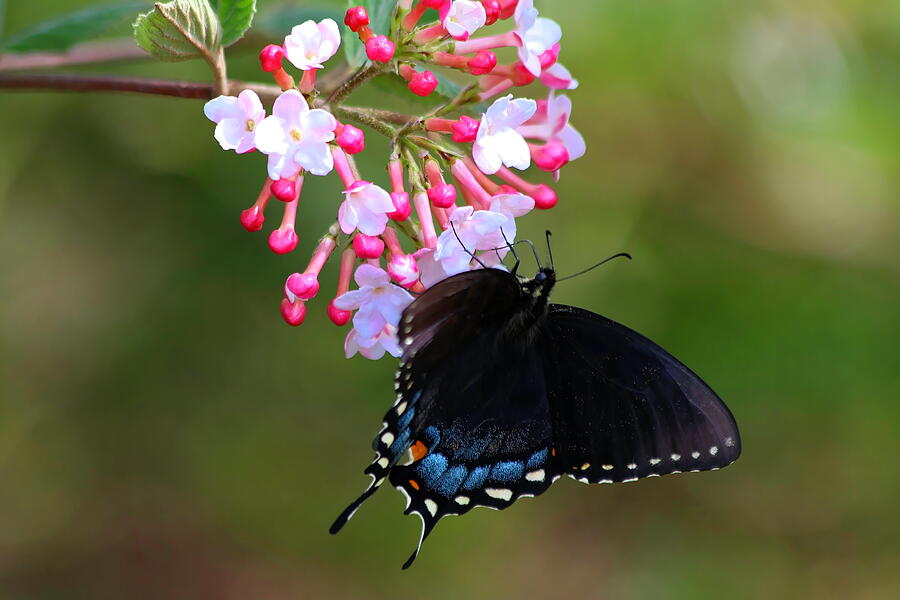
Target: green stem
[[363, 116], [358, 78]]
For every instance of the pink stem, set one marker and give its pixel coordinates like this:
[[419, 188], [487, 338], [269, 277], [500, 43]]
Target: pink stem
[[486, 43], [321, 254], [517, 182], [342, 166], [391, 241], [468, 181], [430, 33], [439, 125], [308, 81], [499, 88], [395, 172], [489, 186], [423, 211], [348, 260]]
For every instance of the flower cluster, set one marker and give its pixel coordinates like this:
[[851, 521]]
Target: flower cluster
[[453, 194]]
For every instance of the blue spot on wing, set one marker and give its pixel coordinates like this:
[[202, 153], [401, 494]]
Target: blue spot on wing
[[400, 444], [476, 478], [405, 418], [537, 459], [431, 468], [451, 480], [507, 471], [432, 437]]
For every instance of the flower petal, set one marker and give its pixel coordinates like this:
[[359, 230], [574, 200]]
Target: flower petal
[[371, 275], [220, 108], [487, 159], [230, 132], [250, 105], [347, 217], [269, 136], [351, 300], [573, 141], [314, 157]]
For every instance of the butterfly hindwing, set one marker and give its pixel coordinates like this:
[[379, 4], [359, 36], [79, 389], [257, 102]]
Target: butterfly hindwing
[[623, 408]]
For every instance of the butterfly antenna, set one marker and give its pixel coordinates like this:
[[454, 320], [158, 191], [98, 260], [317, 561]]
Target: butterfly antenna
[[619, 255], [478, 260], [550, 250], [512, 249]]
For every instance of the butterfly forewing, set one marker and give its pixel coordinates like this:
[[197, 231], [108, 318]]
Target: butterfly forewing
[[623, 408]]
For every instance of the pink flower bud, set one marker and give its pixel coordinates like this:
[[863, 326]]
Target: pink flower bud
[[351, 140], [380, 49], [422, 84], [252, 218], [403, 269], [356, 17], [294, 312], [282, 241], [442, 195], [544, 197], [338, 317], [550, 57], [402, 206], [303, 285], [491, 10], [482, 63], [284, 189], [549, 157], [270, 58], [521, 75], [465, 130], [435, 4], [367, 246], [507, 8]]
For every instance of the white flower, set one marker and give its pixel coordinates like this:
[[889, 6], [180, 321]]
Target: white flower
[[497, 142], [557, 77], [470, 230], [536, 35], [294, 136], [236, 120], [310, 44], [430, 269], [555, 126], [379, 302], [464, 18], [375, 347], [510, 206], [365, 208]]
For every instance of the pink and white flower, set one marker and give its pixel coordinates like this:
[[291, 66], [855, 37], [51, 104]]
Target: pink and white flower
[[470, 230], [377, 302], [511, 206], [430, 269], [310, 44], [366, 208], [557, 77], [498, 143], [536, 35], [462, 18], [552, 124], [296, 137], [236, 120], [375, 347]]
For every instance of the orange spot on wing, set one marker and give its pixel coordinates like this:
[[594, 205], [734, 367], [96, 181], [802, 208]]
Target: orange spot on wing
[[418, 450], [414, 485], [553, 451]]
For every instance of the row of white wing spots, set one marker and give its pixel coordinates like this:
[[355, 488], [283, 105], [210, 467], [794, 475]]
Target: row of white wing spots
[[713, 451]]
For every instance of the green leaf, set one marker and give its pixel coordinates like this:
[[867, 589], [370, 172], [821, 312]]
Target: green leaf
[[380, 12], [277, 23], [179, 30], [2, 17], [235, 17], [63, 32]]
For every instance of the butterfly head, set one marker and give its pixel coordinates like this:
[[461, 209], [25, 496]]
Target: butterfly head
[[540, 286]]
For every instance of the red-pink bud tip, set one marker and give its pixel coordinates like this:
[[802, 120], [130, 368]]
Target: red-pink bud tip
[[491, 10], [465, 130], [544, 197], [380, 49], [550, 57], [270, 58], [435, 4], [252, 219], [507, 8], [282, 241], [422, 84], [294, 312], [403, 269], [338, 316], [367, 246], [442, 195], [284, 189], [356, 17], [303, 285], [521, 75], [482, 63], [402, 206], [351, 140], [551, 156]]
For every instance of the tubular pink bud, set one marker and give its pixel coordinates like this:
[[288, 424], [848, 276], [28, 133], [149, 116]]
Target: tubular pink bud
[[252, 218], [294, 312], [284, 239], [403, 269], [351, 140], [338, 316], [303, 285], [442, 195], [342, 166], [284, 189], [380, 49], [422, 84], [395, 172], [402, 206], [482, 63], [491, 10], [270, 58], [543, 196], [465, 130], [426, 220], [549, 157], [356, 17], [367, 246]]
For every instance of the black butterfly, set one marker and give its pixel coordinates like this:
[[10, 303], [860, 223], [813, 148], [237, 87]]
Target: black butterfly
[[499, 393]]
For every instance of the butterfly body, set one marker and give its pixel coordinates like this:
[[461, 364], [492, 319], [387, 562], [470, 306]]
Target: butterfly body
[[500, 392]]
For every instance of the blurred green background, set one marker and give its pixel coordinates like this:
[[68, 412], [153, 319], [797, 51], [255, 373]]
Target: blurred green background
[[164, 435]]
